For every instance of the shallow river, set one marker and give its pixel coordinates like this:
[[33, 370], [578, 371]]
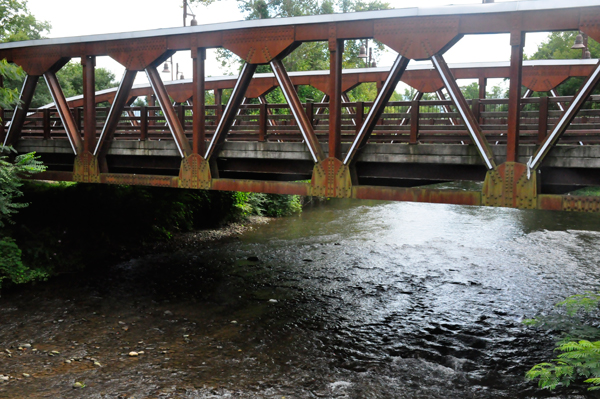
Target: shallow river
[[348, 300]]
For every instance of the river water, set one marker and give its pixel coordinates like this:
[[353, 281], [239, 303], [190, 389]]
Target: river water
[[348, 300]]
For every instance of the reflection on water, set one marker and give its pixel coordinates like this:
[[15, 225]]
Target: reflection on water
[[352, 299]]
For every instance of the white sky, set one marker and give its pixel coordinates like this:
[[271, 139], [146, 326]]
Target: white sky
[[85, 17]]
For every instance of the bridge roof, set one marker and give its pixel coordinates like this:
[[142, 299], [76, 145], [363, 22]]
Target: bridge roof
[[450, 10]]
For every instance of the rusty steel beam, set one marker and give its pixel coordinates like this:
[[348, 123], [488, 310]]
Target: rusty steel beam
[[114, 114], [64, 112], [20, 113], [517, 41], [580, 98], [336, 50], [89, 103], [259, 186], [463, 108], [378, 107], [417, 194], [297, 109], [199, 107], [183, 145], [237, 96]]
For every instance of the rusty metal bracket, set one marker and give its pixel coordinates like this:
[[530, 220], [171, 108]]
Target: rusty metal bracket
[[85, 168], [331, 178], [64, 112], [195, 173], [509, 186]]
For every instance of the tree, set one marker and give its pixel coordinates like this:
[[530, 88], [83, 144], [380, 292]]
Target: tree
[[16, 24]]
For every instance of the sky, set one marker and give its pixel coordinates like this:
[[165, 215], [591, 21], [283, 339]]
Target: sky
[[84, 17]]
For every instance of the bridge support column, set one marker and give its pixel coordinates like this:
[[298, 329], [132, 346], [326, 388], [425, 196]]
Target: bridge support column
[[517, 41], [510, 186], [199, 101], [85, 168], [336, 50]]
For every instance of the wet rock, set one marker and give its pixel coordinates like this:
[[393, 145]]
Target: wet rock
[[26, 375], [68, 361], [233, 321], [252, 258], [273, 300], [168, 313], [97, 364], [133, 354], [78, 385], [25, 346], [4, 378]]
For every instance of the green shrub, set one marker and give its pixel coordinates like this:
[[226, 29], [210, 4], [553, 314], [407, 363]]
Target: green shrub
[[12, 267], [579, 355]]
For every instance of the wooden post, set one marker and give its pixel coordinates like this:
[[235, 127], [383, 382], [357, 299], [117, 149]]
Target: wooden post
[[310, 112], [517, 41], [263, 117], [414, 122], [543, 120], [143, 123], [46, 123], [476, 107], [152, 113], [219, 104]]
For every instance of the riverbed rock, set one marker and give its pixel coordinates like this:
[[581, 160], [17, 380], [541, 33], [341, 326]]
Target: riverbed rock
[[273, 300], [133, 354], [168, 313], [78, 385], [26, 375], [252, 258], [4, 378]]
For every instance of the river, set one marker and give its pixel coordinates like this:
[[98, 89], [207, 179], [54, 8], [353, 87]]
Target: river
[[348, 300]]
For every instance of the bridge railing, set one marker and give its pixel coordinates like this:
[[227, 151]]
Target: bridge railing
[[402, 122]]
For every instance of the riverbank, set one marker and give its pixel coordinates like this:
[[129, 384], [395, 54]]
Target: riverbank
[[350, 300]]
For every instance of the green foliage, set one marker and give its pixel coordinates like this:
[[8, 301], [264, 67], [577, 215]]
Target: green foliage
[[17, 23], [11, 174], [579, 356], [12, 268], [273, 205]]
